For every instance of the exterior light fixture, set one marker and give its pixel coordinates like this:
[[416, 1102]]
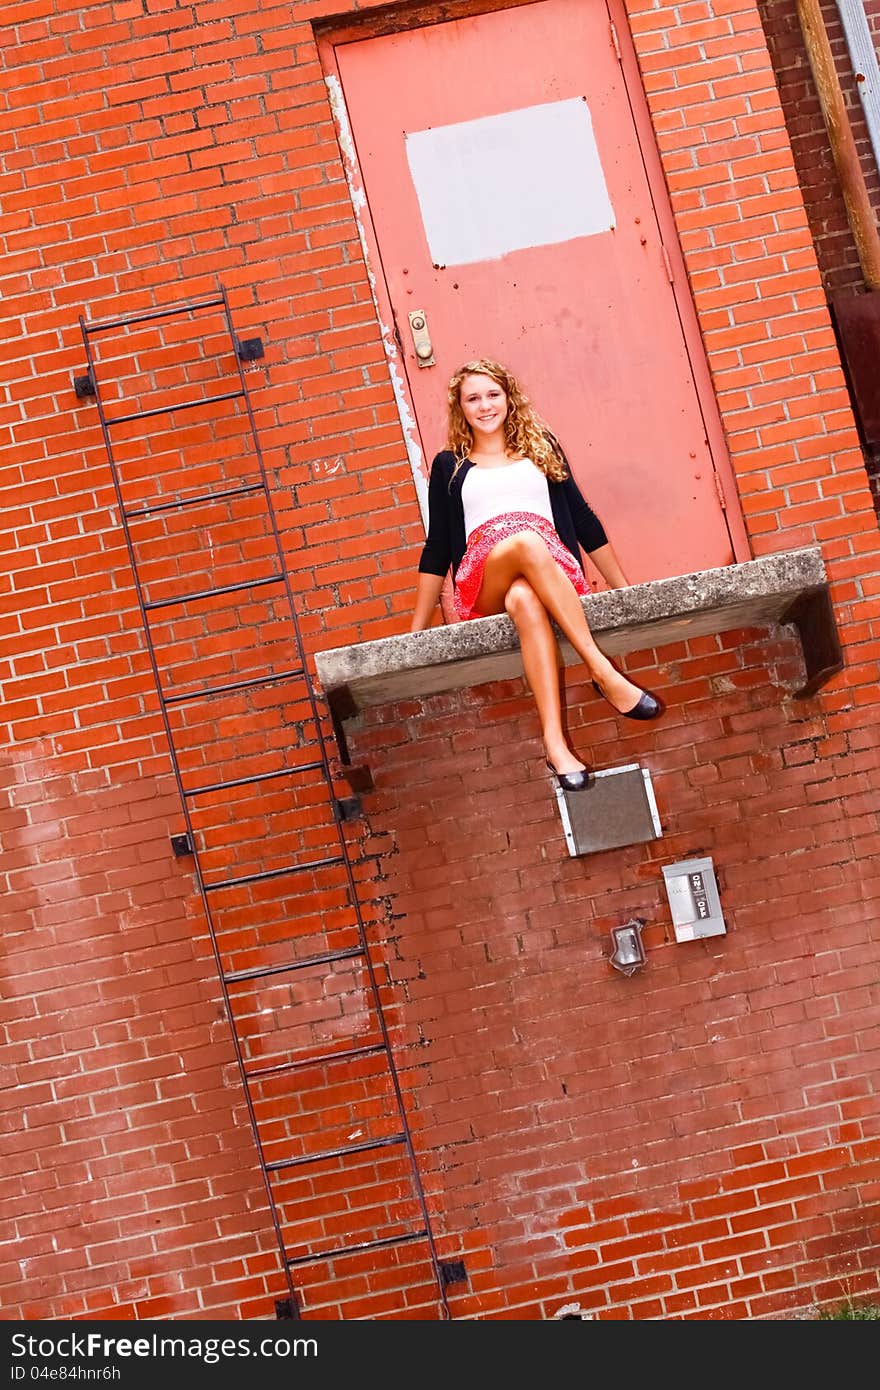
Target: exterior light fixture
[[629, 951]]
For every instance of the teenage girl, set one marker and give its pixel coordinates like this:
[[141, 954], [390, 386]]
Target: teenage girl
[[507, 516]]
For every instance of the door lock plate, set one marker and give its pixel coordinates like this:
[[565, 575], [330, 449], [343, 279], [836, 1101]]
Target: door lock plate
[[418, 324]]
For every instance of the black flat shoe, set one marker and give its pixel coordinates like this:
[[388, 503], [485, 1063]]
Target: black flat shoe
[[571, 781], [646, 707]]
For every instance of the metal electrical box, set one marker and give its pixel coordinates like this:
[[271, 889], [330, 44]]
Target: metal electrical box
[[693, 899], [617, 808]]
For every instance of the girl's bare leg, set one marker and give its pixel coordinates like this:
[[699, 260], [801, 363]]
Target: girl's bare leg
[[541, 661], [525, 556]]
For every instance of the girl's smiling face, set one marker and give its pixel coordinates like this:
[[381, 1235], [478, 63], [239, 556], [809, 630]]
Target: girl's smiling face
[[483, 404]]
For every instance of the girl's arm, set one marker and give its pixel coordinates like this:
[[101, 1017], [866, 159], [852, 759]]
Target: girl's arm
[[427, 597], [436, 554], [608, 565], [593, 537]]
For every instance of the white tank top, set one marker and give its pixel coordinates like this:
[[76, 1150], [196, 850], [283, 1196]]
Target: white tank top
[[512, 487]]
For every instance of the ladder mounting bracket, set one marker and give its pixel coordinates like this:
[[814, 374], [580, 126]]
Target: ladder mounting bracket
[[84, 386], [182, 845], [249, 349], [286, 1310], [452, 1272]]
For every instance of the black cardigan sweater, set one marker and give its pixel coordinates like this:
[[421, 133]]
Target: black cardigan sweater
[[574, 519]]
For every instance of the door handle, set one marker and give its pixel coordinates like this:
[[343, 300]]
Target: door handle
[[418, 325]]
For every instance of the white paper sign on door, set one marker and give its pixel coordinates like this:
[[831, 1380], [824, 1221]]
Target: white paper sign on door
[[502, 183]]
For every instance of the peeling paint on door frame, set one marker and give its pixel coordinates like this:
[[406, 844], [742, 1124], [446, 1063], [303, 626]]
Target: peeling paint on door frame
[[361, 214]]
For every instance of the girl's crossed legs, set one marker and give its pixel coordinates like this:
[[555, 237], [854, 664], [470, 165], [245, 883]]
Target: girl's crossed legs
[[522, 578]]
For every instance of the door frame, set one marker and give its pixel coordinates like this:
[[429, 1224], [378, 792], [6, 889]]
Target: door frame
[[331, 33]]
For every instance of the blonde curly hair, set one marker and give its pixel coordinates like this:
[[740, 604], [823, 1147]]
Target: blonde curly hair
[[525, 434]]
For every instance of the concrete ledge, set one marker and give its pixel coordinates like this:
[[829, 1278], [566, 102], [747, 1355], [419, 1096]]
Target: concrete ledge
[[790, 587]]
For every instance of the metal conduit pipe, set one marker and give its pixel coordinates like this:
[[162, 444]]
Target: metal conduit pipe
[[864, 64], [843, 146]]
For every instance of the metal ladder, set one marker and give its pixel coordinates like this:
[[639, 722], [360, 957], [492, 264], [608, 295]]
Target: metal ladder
[[274, 868]]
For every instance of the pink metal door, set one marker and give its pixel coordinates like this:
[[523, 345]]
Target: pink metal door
[[514, 196]]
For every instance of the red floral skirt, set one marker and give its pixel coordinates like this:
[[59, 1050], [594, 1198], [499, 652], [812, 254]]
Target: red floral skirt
[[481, 542]]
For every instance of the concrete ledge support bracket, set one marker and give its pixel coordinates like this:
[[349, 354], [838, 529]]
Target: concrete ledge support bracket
[[813, 616], [342, 706]]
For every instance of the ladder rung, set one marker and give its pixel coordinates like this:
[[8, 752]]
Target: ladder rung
[[201, 497], [212, 593], [356, 1249], [104, 325], [318, 1060], [246, 781], [336, 1153], [260, 971], [170, 409], [229, 686], [274, 873]]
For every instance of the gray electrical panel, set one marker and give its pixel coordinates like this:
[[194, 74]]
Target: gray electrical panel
[[693, 899]]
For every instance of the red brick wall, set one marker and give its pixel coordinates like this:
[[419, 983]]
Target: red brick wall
[[699, 1140], [833, 239], [695, 1140], [835, 245]]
